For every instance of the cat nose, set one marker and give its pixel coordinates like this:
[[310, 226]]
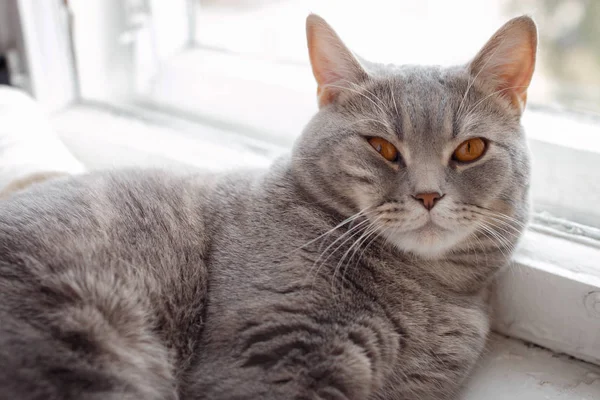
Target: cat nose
[[428, 199]]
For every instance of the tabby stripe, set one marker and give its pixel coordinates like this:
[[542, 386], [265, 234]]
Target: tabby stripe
[[331, 393], [286, 289], [272, 356], [374, 302], [317, 320], [361, 178], [273, 332], [372, 352]]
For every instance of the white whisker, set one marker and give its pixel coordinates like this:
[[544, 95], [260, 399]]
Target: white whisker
[[472, 110], [394, 99], [476, 76], [344, 222], [347, 235], [360, 94], [356, 243]]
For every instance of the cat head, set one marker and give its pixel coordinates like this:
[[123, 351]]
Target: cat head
[[430, 156]]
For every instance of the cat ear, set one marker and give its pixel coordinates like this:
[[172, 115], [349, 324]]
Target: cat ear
[[332, 63], [506, 63]]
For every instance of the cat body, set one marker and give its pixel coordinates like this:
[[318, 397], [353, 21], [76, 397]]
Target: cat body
[[265, 313], [328, 276]]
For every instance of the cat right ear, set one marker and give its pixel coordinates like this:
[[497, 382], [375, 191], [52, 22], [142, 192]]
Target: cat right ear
[[333, 65], [506, 63]]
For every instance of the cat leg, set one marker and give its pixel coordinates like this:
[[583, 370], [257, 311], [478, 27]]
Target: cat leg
[[306, 369], [65, 337]]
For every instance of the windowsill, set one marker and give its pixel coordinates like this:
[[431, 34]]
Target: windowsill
[[103, 137], [551, 296], [540, 300], [511, 369]]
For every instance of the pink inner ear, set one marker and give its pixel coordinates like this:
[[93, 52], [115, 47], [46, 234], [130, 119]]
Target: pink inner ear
[[507, 61], [332, 62], [516, 79], [327, 73], [323, 58]]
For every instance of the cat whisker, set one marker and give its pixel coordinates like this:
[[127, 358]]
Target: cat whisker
[[358, 87], [471, 246], [341, 224], [361, 234], [501, 243], [360, 94], [495, 244], [379, 233], [356, 243], [513, 223], [474, 108], [508, 244], [365, 120], [393, 99], [483, 211], [505, 225], [350, 232], [375, 234], [470, 84], [502, 225], [506, 217], [346, 236]]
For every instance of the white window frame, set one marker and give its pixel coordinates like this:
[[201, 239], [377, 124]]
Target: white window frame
[[551, 297], [50, 63]]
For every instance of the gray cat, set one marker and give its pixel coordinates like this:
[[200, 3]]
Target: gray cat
[[356, 268]]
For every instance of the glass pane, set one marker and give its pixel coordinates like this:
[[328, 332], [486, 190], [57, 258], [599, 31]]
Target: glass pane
[[425, 32]]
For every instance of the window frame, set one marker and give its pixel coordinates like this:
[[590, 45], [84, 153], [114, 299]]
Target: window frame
[[45, 33], [551, 296]]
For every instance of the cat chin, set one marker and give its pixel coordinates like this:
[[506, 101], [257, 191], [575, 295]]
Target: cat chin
[[429, 243]]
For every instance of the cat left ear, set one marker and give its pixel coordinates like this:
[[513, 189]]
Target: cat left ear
[[507, 61], [333, 65]]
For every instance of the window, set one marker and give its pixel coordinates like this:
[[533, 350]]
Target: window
[[241, 66]]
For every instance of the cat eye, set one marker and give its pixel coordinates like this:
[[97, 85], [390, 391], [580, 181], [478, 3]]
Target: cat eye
[[469, 150], [385, 148]]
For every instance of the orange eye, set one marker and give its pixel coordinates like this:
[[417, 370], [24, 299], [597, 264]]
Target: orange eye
[[385, 148], [469, 150]]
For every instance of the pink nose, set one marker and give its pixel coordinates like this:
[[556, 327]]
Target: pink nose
[[428, 199]]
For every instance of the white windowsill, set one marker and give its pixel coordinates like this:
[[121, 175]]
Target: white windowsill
[[513, 370], [551, 296], [545, 299]]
